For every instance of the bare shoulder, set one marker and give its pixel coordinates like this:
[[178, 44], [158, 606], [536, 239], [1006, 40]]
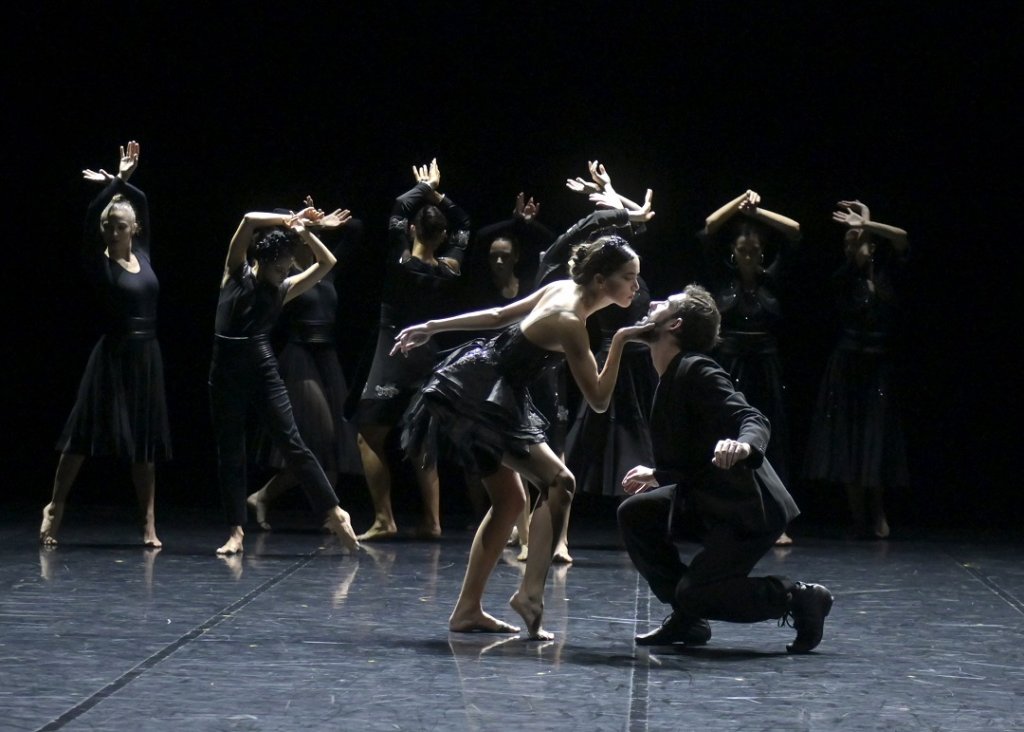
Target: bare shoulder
[[556, 329]]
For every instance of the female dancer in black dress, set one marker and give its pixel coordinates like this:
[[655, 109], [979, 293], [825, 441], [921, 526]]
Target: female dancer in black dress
[[419, 282], [856, 435], [602, 447], [121, 409], [478, 396], [244, 374], [312, 374], [746, 291]]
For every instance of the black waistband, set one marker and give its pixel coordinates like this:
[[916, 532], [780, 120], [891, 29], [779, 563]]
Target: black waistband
[[134, 328], [737, 342], [240, 341], [312, 332]]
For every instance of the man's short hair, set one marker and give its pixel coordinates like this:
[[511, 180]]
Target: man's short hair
[[701, 320]]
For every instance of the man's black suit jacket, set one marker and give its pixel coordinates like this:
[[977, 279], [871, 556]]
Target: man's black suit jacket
[[695, 406]]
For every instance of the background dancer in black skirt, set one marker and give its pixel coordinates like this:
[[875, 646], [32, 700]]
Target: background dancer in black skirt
[[746, 284], [856, 436], [419, 283], [602, 446], [121, 409]]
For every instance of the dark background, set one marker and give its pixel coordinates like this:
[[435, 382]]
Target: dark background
[[909, 106]]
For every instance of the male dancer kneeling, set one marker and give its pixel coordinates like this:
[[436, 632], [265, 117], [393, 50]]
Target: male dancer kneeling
[[711, 480]]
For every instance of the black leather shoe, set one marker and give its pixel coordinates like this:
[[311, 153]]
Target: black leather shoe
[[808, 606], [677, 629]]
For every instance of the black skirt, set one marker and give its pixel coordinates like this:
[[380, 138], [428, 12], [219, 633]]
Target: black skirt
[[393, 380], [121, 408], [469, 410], [603, 446], [856, 434]]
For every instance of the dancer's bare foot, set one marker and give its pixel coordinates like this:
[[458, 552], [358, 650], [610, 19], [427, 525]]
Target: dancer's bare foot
[[234, 543], [379, 531], [149, 538], [524, 553], [531, 611], [340, 524], [881, 527], [513, 538], [478, 622], [258, 506], [53, 513], [784, 540], [561, 555]]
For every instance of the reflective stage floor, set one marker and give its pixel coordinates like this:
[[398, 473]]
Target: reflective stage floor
[[100, 634]]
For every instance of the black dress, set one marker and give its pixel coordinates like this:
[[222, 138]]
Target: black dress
[[121, 408], [749, 349], [856, 434], [603, 446], [479, 399], [414, 291]]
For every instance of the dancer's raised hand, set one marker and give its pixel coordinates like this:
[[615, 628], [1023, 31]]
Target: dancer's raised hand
[[97, 176], [129, 160]]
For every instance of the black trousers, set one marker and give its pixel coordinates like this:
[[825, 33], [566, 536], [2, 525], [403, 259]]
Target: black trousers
[[244, 378], [715, 585]]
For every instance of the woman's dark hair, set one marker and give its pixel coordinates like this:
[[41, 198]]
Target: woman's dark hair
[[272, 244], [603, 255], [701, 320], [510, 238], [430, 224]]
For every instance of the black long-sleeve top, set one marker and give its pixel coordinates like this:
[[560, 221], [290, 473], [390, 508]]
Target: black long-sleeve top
[[125, 294], [554, 259], [414, 290], [533, 237]]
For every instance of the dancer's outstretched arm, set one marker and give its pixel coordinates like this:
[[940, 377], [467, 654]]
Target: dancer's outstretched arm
[[487, 319]]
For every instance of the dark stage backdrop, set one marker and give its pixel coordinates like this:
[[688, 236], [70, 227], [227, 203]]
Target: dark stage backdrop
[[910, 107]]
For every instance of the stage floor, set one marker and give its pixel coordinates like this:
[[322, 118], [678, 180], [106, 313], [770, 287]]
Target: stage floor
[[99, 634]]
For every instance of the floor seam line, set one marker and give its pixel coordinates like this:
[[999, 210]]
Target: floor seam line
[[990, 584], [636, 720], [153, 660]]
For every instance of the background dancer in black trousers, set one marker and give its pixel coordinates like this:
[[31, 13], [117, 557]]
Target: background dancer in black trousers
[[244, 375]]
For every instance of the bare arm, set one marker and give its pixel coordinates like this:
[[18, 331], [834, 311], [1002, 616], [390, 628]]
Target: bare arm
[[862, 220], [596, 386], [491, 318], [894, 234], [716, 220], [304, 280], [242, 239], [749, 204]]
